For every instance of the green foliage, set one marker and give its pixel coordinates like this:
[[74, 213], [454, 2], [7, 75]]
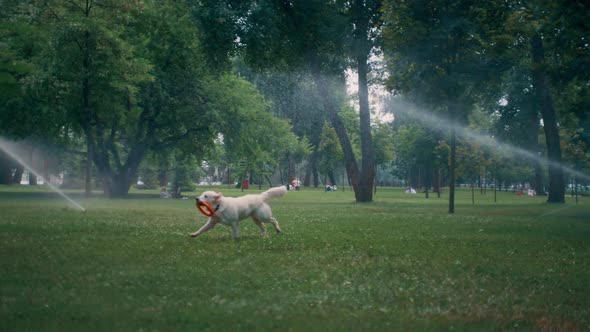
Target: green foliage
[[292, 95], [350, 118], [250, 132], [331, 156], [130, 80], [437, 51], [219, 22], [470, 162], [156, 78], [289, 35], [415, 148], [20, 114], [383, 143], [575, 151]]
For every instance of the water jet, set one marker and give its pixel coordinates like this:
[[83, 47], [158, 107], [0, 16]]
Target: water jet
[[440, 123], [6, 147]]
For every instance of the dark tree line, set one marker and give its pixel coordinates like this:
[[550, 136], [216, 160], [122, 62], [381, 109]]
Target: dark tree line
[[123, 84]]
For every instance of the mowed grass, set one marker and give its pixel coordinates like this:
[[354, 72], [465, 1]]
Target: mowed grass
[[400, 263]]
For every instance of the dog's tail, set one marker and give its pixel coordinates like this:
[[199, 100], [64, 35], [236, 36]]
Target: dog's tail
[[274, 192]]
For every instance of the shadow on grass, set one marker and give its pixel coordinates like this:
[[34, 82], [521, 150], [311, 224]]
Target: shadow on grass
[[217, 239]]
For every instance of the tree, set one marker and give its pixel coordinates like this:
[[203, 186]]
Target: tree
[[293, 96], [331, 154], [471, 159], [366, 28], [541, 32], [383, 144], [252, 136], [20, 112], [552, 35], [415, 154], [315, 35], [518, 121], [556, 177], [437, 55], [124, 80], [95, 71]]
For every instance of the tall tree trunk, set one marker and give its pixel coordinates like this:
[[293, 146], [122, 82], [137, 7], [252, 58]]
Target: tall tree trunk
[[86, 108], [315, 173], [495, 186], [5, 169], [18, 174], [179, 177], [480, 181], [361, 50], [46, 176], [419, 179], [435, 180], [32, 177], [291, 169], [163, 178], [307, 177], [349, 159], [452, 161], [332, 178], [541, 84], [534, 147], [438, 182], [120, 183], [538, 186], [368, 163], [311, 172]]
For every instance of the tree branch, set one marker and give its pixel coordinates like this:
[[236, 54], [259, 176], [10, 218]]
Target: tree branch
[[113, 148]]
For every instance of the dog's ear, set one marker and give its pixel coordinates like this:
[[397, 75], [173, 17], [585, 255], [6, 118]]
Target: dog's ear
[[217, 196]]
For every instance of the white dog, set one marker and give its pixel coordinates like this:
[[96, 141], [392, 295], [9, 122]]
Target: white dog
[[229, 211]]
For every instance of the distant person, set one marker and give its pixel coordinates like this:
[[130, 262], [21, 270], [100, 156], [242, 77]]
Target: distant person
[[296, 183], [330, 187], [164, 193]]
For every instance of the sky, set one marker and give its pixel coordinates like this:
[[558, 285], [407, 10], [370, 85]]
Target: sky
[[376, 95]]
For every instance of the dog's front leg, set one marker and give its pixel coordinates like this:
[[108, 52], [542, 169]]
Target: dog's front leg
[[210, 224], [234, 230]]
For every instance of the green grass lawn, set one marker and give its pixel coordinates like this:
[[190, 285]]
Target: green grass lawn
[[400, 263]]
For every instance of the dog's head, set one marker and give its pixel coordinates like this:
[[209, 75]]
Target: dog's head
[[210, 197]]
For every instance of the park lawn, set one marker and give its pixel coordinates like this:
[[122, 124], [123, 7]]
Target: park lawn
[[400, 263]]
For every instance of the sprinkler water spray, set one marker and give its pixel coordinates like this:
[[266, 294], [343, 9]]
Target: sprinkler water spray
[[6, 147]]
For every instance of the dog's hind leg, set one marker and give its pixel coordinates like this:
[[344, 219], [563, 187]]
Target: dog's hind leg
[[275, 223], [261, 225], [264, 214]]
